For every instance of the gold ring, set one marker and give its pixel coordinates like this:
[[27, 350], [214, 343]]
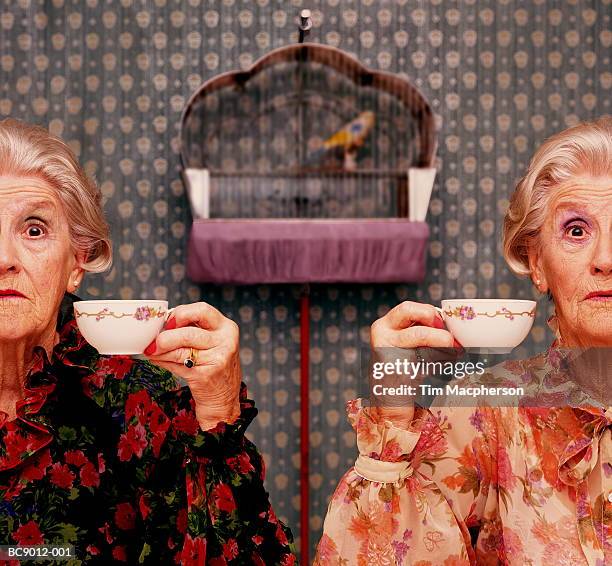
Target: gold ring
[[192, 360]]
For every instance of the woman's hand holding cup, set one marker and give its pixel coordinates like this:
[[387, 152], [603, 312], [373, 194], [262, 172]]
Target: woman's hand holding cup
[[408, 325], [201, 345]]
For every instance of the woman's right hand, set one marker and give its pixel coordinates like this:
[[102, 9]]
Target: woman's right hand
[[409, 325]]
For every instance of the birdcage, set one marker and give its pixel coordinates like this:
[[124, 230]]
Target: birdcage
[[308, 167]]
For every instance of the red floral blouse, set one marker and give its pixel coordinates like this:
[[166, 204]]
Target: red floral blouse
[[106, 455]]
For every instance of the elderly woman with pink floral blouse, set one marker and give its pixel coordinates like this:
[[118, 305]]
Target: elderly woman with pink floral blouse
[[501, 485]]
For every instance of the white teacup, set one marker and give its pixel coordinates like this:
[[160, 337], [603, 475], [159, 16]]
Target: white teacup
[[499, 324], [120, 327]]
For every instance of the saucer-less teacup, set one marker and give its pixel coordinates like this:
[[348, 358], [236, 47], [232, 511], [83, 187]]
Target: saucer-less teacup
[[489, 323], [120, 327]]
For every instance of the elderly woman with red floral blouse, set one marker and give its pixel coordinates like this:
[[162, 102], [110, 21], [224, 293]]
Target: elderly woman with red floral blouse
[[110, 454], [522, 485]]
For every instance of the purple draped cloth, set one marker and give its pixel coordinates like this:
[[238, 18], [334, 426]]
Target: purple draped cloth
[[245, 251]]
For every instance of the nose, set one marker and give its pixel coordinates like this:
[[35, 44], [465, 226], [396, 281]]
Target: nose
[[9, 258], [602, 257]]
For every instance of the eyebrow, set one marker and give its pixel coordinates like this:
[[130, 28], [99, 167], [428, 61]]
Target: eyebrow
[[38, 205], [577, 206]]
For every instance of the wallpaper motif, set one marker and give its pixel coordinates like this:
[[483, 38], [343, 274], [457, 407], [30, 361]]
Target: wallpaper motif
[[112, 78]]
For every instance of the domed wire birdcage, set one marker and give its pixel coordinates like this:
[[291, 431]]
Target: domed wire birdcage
[[301, 169]]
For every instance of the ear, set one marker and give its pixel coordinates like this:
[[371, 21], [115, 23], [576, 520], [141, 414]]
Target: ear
[[76, 273], [537, 273]]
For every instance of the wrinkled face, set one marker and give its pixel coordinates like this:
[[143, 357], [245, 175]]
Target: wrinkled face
[[37, 262], [574, 261]]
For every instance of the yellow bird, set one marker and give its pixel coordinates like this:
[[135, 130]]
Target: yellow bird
[[348, 138], [353, 134]]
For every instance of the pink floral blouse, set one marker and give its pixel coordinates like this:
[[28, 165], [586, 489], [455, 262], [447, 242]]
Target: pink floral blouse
[[477, 485]]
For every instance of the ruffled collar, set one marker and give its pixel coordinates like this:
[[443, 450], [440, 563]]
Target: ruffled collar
[[579, 429], [563, 375], [32, 429]]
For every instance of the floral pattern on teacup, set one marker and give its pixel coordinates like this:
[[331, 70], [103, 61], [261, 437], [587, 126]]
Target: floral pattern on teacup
[[467, 312], [141, 313]]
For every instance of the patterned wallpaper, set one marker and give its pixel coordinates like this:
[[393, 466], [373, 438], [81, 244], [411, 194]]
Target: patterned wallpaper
[[112, 77]]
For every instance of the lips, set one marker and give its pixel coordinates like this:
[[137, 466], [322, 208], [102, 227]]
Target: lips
[[11, 293], [599, 295]]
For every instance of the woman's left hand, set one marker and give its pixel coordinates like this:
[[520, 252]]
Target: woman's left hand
[[215, 378]]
